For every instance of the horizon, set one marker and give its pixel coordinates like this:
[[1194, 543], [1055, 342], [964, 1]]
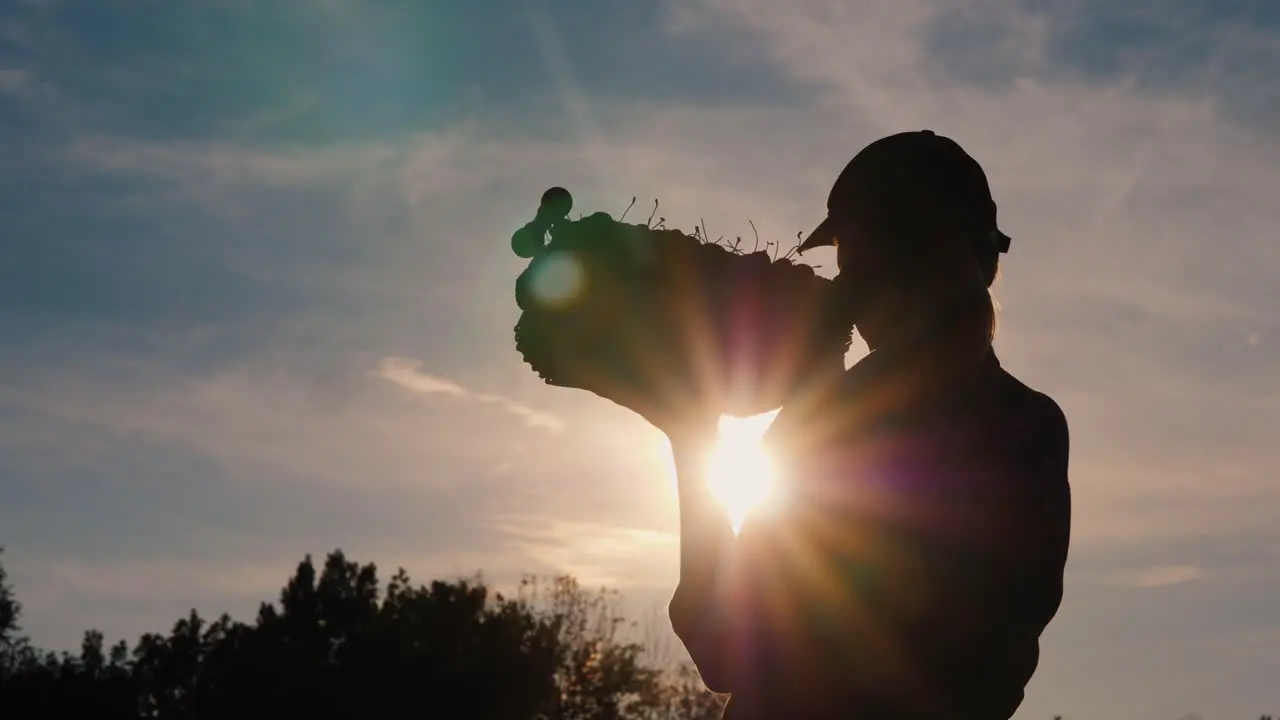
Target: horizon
[[256, 296]]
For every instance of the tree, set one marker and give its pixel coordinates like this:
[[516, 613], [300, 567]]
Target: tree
[[10, 608], [336, 646]]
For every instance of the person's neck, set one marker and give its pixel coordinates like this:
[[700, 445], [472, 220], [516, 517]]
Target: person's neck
[[935, 349]]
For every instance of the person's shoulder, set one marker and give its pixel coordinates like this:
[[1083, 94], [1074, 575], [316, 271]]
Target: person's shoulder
[[1017, 395], [1040, 418]]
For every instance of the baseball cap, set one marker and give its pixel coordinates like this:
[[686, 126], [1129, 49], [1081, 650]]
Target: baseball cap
[[906, 183]]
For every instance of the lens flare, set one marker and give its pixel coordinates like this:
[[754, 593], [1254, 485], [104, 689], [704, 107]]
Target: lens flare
[[740, 472], [558, 280]]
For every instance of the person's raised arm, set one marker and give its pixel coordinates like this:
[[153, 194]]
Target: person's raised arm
[[705, 530], [722, 579], [706, 542], [706, 534]]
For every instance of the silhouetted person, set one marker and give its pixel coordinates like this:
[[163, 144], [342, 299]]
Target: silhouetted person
[[916, 551]]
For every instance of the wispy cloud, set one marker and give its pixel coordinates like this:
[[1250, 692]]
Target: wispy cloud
[[24, 85], [220, 164], [408, 373], [595, 553], [272, 416], [1160, 576], [14, 80]]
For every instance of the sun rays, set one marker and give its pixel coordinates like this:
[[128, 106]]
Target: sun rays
[[740, 472]]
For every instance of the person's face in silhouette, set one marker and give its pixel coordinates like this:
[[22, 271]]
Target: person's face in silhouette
[[890, 292], [870, 282]]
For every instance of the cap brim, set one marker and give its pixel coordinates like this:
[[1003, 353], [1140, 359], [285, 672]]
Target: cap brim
[[1001, 240], [822, 236]]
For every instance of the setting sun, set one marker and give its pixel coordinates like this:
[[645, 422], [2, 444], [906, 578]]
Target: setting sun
[[740, 472]]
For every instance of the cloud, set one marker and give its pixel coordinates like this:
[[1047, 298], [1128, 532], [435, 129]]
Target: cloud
[[1114, 300], [407, 373], [1161, 576], [24, 85], [282, 413], [1142, 225], [535, 418], [221, 163], [14, 81], [137, 581], [593, 552], [15, 34], [228, 181]]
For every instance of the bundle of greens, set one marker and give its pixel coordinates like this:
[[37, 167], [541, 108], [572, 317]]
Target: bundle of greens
[[645, 315]]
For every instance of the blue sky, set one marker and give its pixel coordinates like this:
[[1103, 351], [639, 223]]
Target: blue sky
[[255, 290]]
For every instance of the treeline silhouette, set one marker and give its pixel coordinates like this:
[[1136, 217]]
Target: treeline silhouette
[[339, 645]]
